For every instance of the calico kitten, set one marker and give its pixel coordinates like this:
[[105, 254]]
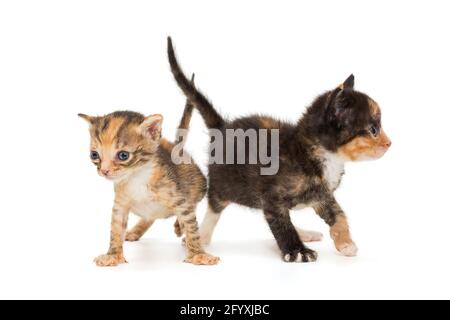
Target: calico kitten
[[341, 125], [127, 149]]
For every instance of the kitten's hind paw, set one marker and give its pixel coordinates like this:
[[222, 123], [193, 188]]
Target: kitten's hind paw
[[309, 236], [304, 255], [203, 259], [109, 260], [131, 236]]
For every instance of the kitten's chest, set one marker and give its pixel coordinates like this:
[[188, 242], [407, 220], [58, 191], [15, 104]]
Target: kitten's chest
[[333, 169], [144, 202]]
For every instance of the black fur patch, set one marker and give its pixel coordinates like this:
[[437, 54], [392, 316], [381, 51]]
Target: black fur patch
[[333, 119]]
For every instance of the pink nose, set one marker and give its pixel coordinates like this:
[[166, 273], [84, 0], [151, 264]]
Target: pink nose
[[105, 172], [388, 143]]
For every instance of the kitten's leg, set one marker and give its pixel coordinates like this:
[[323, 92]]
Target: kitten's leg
[[289, 242], [178, 228], [308, 235], [331, 212], [118, 228], [138, 230], [212, 216], [195, 252]]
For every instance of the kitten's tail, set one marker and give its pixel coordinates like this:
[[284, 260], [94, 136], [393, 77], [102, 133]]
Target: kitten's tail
[[185, 119], [211, 117]]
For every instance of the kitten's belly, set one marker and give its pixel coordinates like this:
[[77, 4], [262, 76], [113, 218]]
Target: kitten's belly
[[301, 207], [151, 210]]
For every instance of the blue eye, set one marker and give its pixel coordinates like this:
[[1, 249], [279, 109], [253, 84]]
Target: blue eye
[[95, 155], [123, 155]]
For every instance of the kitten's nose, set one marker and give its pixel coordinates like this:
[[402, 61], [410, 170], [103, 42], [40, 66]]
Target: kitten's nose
[[387, 144], [105, 172]]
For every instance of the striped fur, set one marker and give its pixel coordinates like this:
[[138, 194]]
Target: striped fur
[[147, 183]]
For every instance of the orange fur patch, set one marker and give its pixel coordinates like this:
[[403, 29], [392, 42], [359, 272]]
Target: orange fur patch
[[374, 107], [108, 136], [166, 145], [203, 259], [268, 123], [340, 233], [364, 147]]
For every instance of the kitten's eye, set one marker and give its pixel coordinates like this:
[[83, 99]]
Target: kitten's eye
[[94, 155], [373, 131], [123, 155]]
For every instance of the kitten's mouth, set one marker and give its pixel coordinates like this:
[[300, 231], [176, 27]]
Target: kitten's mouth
[[379, 153], [112, 177]]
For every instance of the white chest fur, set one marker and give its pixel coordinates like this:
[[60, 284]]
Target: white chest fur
[[333, 169], [143, 201]]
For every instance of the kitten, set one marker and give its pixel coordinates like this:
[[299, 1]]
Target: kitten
[[341, 125], [127, 149]]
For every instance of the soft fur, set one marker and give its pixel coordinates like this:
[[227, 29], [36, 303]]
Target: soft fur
[[341, 125], [147, 183]]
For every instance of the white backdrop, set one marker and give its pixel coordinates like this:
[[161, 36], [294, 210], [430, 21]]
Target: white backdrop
[[58, 58]]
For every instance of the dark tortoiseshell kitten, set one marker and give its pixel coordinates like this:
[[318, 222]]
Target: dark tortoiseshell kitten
[[341, 125], [127, 149]]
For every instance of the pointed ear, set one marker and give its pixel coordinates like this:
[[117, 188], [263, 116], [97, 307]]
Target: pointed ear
[[88, 119], [349, 83], [151, 127]]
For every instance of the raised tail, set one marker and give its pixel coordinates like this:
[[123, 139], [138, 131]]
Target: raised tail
[[185, 119], [211, 117]]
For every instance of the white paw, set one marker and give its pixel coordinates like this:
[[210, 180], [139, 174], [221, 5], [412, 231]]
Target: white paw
[[309, 236], [305, 255], [349, 250]]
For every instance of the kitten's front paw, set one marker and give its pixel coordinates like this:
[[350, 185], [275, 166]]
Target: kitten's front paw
[[347, 249], [203, 259], [109, 260], [303, 255], [131, 236]]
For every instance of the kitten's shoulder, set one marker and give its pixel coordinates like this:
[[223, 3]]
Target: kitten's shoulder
[[188, 178]]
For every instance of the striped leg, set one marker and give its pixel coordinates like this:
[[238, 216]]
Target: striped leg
[[138, 230], [118, 228], [195, 253]]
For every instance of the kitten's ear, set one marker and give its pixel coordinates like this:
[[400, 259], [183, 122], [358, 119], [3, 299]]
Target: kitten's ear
[[151, 127], [339, 107], [349, 83], [88, 119]]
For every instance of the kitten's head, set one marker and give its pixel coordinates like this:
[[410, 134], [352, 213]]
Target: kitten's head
[[122, 141], [349, 123]]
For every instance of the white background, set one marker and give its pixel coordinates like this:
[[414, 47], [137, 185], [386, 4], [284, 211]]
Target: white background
[[58, 58]]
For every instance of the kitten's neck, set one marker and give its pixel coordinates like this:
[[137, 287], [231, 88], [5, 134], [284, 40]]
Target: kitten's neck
[[310, 136], [312, 130], [333, 167]]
